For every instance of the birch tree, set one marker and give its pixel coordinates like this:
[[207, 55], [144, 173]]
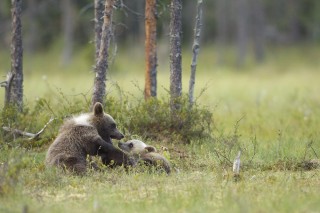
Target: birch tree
[[175, 53], [151, 49], [195, 50], [99, 89]]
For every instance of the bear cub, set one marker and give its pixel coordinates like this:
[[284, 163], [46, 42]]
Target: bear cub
[[86, 134], [145, 153]]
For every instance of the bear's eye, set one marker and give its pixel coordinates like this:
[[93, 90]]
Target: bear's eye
[[130, 145], [113, 126]]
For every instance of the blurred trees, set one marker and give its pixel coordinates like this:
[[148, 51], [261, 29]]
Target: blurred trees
[[68, 20], [267, 21]]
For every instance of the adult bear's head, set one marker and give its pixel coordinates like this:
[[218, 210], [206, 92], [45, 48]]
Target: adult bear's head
[[104, 123]]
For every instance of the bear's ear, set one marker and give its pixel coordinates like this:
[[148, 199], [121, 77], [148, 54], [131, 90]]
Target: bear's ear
[[98, 109], [150, 149]]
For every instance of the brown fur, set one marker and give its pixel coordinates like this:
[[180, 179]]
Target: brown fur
[[89, 135], [145, 153]]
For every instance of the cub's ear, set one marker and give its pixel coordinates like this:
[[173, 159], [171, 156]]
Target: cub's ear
[[150, 149], [98, 109]]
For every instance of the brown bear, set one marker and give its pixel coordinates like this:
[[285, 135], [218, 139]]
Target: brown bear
[[86, 134], [145, 153]]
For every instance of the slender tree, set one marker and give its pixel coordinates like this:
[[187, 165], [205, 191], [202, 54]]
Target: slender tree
[[242, 31], [101, 67], [98, 22], [151, 49], [222, 17], [16, 87], [30, 39], [68, 25], [258, 28], [195, 50], [175, 53]]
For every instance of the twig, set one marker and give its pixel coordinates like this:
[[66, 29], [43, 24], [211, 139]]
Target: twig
[[131, 10], [7, 81], [31, 136], [219, 154], [314, 151], [7, 85], [254, 143], [18, 132]]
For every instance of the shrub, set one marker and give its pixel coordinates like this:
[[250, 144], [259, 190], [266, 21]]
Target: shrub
[[149, 119], [153, 119]]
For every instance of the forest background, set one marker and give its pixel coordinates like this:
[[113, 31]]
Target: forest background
[[256, 85]]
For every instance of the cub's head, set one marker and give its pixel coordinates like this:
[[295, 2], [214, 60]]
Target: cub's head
[[104, 123], [136, 147]]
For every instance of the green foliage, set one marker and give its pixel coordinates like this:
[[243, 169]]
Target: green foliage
[[270, 112], [10, 170], [153, 119], [150, 119]]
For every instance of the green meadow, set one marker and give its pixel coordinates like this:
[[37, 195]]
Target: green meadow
[[269, 111]]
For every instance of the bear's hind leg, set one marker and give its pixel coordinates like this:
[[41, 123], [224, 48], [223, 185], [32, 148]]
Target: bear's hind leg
[[76, 165]]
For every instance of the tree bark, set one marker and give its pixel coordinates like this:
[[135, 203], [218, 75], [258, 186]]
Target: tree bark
[[195, 51], [175, 53], [16, 92], [99, 89], [151, 49], [98, 22]]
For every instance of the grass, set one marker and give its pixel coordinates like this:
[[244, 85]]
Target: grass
[[270, 111]]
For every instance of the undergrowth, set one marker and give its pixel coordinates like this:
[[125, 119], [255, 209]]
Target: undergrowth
[[151, 119]]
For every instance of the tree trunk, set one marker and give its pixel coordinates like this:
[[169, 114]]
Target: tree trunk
[[151, 49], [175, 53], [68, 24], [242, 31], [32, 32], [99, 89], [294, 20], [258, 27], [195, 50], [98, 22], [16, 92], [222, 25]]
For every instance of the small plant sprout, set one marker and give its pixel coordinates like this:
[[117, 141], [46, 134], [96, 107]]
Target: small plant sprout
[[236, 166]]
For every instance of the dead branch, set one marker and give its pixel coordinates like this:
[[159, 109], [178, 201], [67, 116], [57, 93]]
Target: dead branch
[[236, 164], [31, 136], [219, 154], [236, 167], [7, 85]]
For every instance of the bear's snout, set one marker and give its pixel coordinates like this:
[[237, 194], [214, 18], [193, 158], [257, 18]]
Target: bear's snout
[[118, 135], [121, 136]]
